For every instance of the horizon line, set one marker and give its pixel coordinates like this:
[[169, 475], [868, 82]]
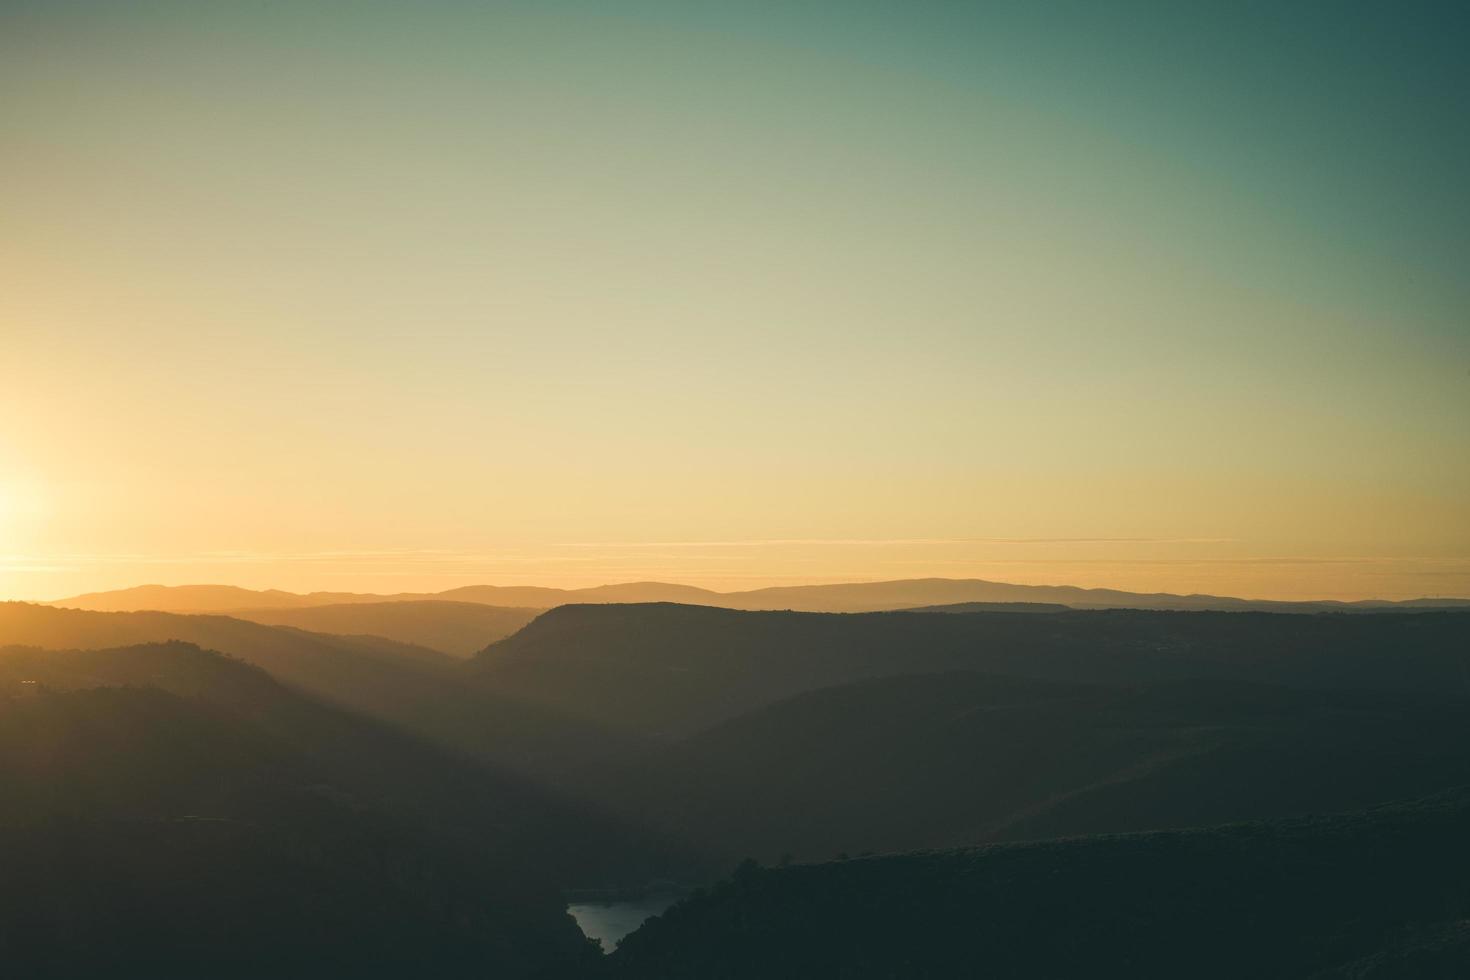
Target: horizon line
[[737, 592]]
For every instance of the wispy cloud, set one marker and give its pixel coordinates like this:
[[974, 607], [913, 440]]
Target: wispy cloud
[[396, 557]]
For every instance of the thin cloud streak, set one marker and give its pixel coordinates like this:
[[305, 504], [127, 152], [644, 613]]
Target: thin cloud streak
[[415, 557]]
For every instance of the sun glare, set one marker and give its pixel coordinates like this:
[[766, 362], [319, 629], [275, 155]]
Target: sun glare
[[20, 504]]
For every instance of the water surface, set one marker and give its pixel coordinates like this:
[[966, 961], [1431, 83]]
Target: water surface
[[609, 922]]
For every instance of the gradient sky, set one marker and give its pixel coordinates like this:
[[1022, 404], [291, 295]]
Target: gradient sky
[[380, 296]]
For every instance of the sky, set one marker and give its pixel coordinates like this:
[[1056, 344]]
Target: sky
[[405, 296]]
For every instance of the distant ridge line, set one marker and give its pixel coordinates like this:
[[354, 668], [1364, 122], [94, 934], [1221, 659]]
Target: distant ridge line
[[927, 594]]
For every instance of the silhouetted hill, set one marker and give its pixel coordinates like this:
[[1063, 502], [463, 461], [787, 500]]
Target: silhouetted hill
[[977, 607], [181, 598], [485, 808], [415, 689], [772, 733], [311, 896], [1381, 893], [426, 694], [459, 629], [669, 670], [544, 598], [230, 833], [230, 599], [945, 760], [836, 597], [367, 673], [911, 593]]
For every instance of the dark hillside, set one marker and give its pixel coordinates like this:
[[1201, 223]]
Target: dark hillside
[[142, 833], [946, 760], [670, 670], [411, 688], [371, 673], [366, 762], [977, 607], [1380, 893]]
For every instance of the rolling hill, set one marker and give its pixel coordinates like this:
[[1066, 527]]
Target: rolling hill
[[1382, 893], [183, 599], [695, 735], [976, 607], [954, 759], [430, 694], [386, 767], [171, 812], [912, 593], [369, 673], [762, 733], [668, 671], [459, 629]]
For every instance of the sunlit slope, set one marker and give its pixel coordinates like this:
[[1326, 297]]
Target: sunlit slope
[[226, 598], [415, 689], [182, 598], [459, 629], [1382, 893], [363, 672]]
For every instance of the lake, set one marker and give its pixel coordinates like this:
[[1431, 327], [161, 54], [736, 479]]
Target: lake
[[608, 922]]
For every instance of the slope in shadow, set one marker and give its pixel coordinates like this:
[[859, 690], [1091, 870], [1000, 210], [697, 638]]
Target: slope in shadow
[[959, 758], [1382, 893], [148, 833], [668, 671]]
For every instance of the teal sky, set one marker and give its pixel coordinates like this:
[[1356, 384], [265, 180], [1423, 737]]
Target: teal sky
[[1141, 294]]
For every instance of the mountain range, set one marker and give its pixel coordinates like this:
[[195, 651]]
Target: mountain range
[[837, 597], [603, 747], [767, 733]]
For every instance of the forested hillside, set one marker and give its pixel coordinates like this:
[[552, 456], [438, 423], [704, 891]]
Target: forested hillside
[[1382, 893]]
